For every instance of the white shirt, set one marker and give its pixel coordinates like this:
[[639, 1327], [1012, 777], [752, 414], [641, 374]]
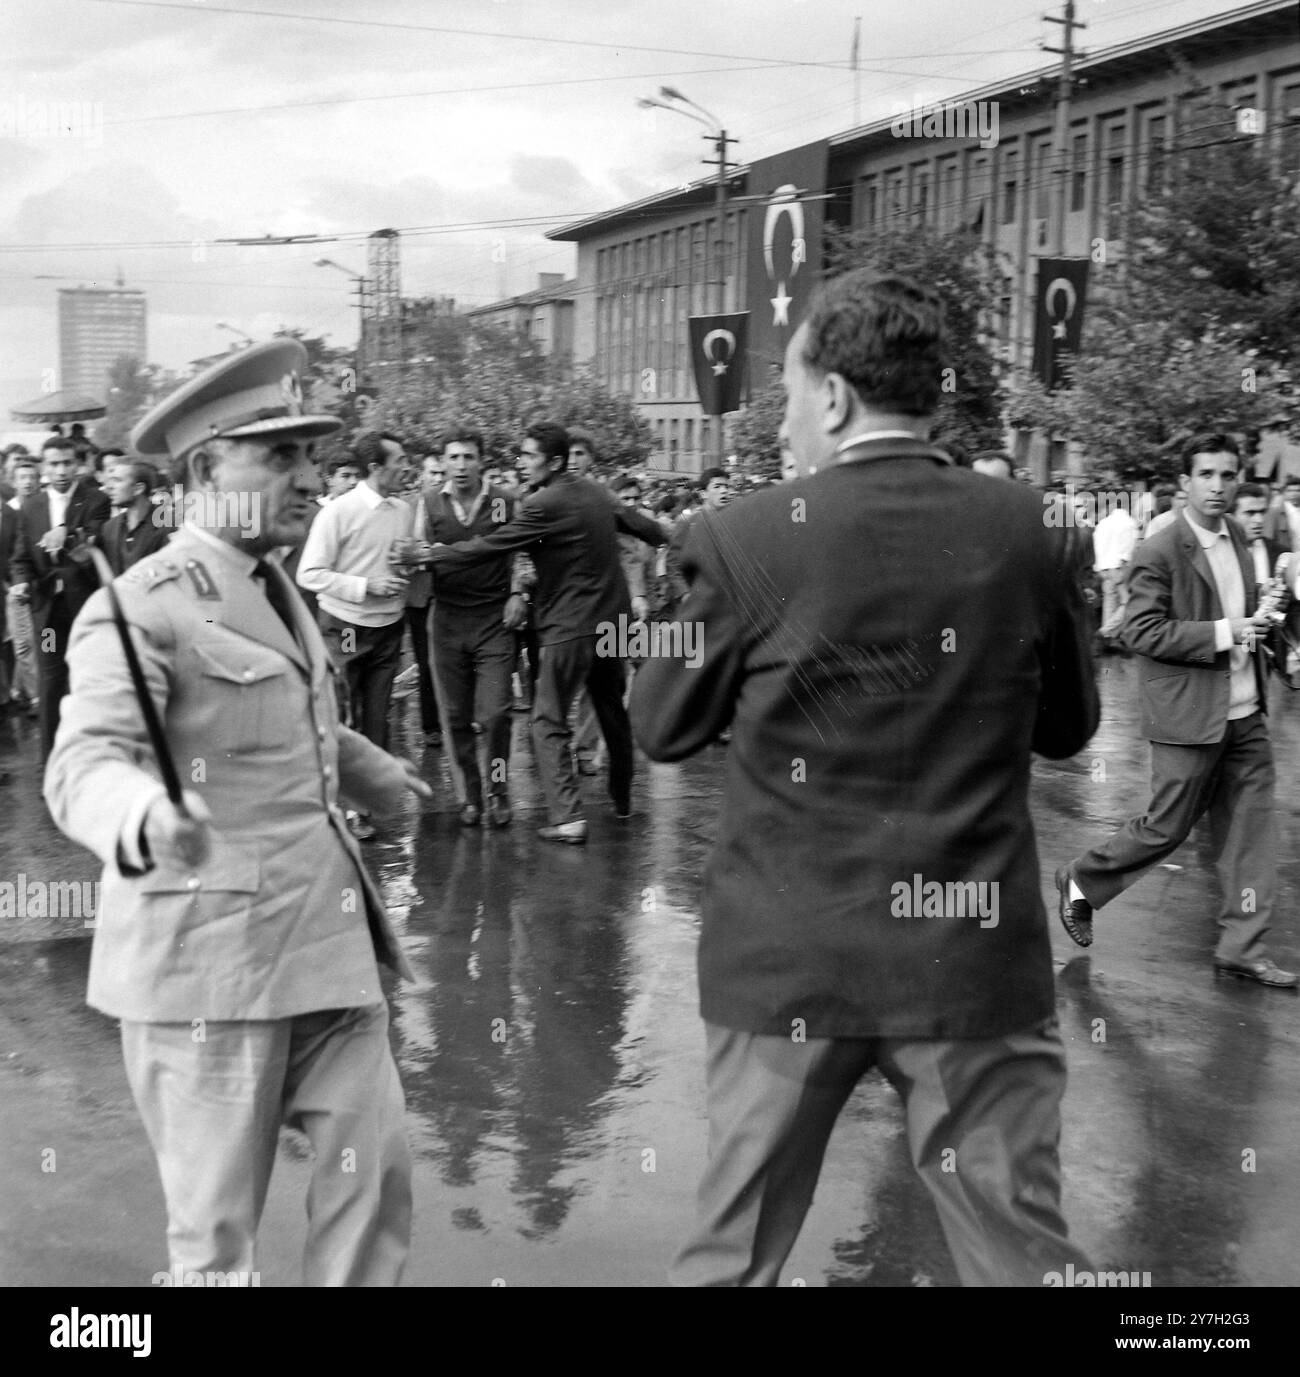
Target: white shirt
[[348, 543], [1222, 556], [58, 504], [1113, 540]]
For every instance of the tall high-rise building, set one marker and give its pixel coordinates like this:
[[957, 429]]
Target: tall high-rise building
[[96, 326]]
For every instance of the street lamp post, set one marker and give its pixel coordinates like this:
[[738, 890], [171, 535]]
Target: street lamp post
[[717, 135], [362, 284], [234, 330]]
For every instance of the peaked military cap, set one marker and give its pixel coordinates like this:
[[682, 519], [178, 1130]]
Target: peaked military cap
[[257, 391]]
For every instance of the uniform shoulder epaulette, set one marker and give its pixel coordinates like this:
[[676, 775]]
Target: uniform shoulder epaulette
[[152, 573]]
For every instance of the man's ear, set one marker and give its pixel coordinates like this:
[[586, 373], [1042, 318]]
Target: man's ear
[[837, 399], [201, 466]]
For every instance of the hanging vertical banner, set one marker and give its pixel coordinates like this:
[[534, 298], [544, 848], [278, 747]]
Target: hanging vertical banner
[[719, 351], [1058, 315], [785, 244]]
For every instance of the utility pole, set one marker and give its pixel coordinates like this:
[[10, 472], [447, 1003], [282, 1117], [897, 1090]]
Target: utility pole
[[1061, 137]]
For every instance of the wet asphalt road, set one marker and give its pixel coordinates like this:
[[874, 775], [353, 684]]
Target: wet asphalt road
[[552, 1056]]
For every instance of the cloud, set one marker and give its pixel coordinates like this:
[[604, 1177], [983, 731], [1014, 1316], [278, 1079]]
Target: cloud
[[557, 178]]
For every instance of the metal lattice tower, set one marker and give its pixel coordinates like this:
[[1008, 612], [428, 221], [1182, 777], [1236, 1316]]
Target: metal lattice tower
[[385, 276]]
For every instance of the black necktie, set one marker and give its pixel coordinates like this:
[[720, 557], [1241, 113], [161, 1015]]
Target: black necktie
[[276, 595]]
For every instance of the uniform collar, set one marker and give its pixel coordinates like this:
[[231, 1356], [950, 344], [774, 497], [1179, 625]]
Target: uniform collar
[[243, 562]]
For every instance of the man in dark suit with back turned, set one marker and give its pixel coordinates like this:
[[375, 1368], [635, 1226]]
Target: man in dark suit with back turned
[[569, 526], [889, 638], [51, 567], [1195, 622]]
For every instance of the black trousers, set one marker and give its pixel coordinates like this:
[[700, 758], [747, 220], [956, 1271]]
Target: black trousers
[[563, 670], [417, 621], [474, 656], [367, 658], [51, 629]]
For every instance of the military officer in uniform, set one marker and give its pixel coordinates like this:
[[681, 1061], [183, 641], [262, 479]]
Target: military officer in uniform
[[237, 939]]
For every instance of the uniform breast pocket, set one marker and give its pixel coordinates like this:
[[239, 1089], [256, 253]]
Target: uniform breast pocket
[[249, 696]]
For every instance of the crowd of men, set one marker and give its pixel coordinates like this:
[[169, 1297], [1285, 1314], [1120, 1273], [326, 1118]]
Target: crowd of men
[[886, 639]]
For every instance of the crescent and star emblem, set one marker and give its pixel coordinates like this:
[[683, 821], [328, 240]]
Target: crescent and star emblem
[[291, 391], [1060, 285], [719, 362], [784, 201]]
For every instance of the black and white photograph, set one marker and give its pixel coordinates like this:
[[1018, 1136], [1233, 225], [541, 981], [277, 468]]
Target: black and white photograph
[[651, 645]]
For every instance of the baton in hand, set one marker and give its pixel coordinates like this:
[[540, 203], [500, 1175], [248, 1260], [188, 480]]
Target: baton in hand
[[162, 752]]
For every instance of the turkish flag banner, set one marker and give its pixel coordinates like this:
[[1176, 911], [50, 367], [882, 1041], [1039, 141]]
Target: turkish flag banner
[[1058, 315], [719, 352]]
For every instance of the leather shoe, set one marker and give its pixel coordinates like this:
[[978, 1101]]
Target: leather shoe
[[470, 815], [574, 833], [499, 811], [1264, 972], [1076, 914]]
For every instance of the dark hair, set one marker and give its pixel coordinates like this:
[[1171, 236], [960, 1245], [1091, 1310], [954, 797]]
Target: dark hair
[[369, 449], [112, 454], [1289, 479], [344, 461], [708, 475], [582, 437], [1251, 490], [26, 461], [463, 435], [666, 505], [884, 335], [625, 482], [142, 471], [59, 442], [552, 439], [1209, 442]]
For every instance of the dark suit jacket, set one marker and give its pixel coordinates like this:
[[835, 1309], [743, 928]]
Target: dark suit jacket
[[148, 537], [889, 641], [1173, 603], [8, 538], [88, 510], [570, 529]]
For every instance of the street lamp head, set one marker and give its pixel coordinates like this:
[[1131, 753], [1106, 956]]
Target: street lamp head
[[671, 93], [321, 262]]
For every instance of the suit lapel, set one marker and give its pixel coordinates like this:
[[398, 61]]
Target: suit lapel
[[1196, 555]]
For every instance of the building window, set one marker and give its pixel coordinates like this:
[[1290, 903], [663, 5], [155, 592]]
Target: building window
[[921, 194], [1289, 126], [1009, 190], [894, 196], [870, 204], [1157, 165], [1079, 172]]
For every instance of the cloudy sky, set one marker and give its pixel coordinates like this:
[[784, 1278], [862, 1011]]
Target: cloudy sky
[[470, 125]]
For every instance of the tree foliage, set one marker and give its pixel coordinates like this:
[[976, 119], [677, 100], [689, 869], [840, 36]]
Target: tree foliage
[[1193, 328], [967, 274], [499, 382], [133, 387]]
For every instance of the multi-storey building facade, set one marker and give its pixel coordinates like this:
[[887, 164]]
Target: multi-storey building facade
[[645, 267], [97, 325], [544, 315]]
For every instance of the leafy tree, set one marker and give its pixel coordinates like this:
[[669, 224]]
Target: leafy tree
[[133, 387], [754, 432], [1193, 328], [967, 273]]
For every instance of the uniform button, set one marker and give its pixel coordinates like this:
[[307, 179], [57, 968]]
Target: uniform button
[[248, 674], [326, 771], [321, 733], [192, 882]]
